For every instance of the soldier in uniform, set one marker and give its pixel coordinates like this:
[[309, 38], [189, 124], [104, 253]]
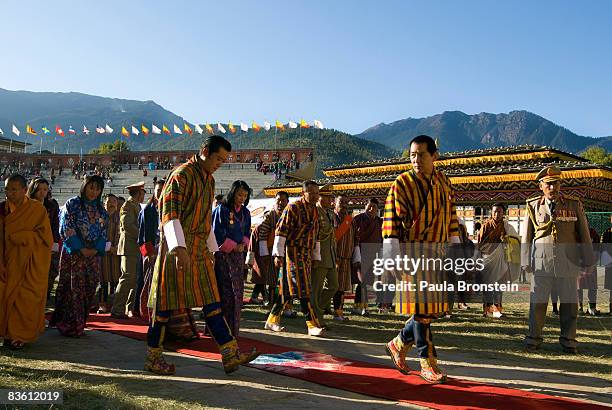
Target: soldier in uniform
[[556, 233], [128, 249], [324, 281]]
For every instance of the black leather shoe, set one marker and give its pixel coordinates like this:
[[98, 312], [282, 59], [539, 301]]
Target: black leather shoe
[[531, 348]]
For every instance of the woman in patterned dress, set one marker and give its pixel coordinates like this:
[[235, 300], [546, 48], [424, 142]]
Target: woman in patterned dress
[[83, 226]]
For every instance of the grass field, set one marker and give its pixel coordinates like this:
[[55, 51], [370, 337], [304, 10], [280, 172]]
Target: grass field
[[487, 341]]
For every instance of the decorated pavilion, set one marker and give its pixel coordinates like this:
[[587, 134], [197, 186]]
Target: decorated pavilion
[[480, 178]]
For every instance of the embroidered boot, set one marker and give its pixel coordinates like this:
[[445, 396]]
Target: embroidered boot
[[314, 329], [155, 362], [232, 358], [273, 323], [397, 350], [431, 372]]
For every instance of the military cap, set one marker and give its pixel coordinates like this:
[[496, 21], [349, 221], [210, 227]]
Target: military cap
[[138, 185], [549, 174]]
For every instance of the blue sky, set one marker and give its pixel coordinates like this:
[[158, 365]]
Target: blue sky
[[350, 64]]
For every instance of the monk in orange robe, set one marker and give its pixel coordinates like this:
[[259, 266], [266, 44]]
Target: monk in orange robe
[[25, 257]]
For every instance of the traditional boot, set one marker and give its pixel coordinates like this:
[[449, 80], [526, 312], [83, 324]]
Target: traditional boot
[[155, 362], [232, 358], [273, 323], [397, 350], [314, 329], [431, 372]]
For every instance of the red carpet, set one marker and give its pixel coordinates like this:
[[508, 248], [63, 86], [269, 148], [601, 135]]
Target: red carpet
[[360, 377]]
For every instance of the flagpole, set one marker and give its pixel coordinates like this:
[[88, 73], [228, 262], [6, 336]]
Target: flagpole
[[54, 145], [40, 148]]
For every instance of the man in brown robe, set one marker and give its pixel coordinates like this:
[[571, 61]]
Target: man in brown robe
[[25, 257]]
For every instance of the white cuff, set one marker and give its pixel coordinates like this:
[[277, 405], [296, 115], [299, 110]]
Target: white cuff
[[263, 248], [250, 258], [55, 247], [173, 232], [107, 247], [356, 254], [316, 254], [211, 242], [455, 239], [391, 248], [278, 249]]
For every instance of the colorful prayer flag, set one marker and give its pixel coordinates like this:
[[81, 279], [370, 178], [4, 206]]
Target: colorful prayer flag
[[255, 126], [188, 129], [59, 131], [144, 129], [135, 130], [209, 128], [231, 127], [108, 129], [155, 129], [292, 124], [244, 127], [85, 130], [124, 132], [318, 124], [165, 130], [45, 130], [71, 130], [30, 130], [220, 128], [16, 130], [304, 124], [198, 129], [177, 130], [267, 126], [100, 130], [280, 125]]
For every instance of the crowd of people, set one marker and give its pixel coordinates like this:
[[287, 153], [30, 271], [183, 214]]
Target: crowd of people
[[186, 248]]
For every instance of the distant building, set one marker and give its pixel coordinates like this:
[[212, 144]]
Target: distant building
[[9, 145]]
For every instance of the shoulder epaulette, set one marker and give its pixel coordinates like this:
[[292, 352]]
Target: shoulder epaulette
[[535, 198]]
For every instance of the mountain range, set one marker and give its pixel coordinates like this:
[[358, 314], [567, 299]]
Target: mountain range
[[455, 130]]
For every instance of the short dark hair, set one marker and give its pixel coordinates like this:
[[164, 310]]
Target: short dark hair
[[109, 195], [33, 186], [230, 199], [499, 205], [425, 139], [120, 198], [219, 197], [282, 193], [160, 181], [214, 143], [308, 183], [373, 201], [16, 177]]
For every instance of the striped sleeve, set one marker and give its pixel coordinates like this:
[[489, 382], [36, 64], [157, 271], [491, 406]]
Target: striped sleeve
[[394, 211], [453, 227], [173, 197], [287, 220], [266, 226]]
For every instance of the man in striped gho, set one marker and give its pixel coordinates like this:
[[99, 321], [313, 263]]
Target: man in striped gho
[[419, 220], [294, 249]]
